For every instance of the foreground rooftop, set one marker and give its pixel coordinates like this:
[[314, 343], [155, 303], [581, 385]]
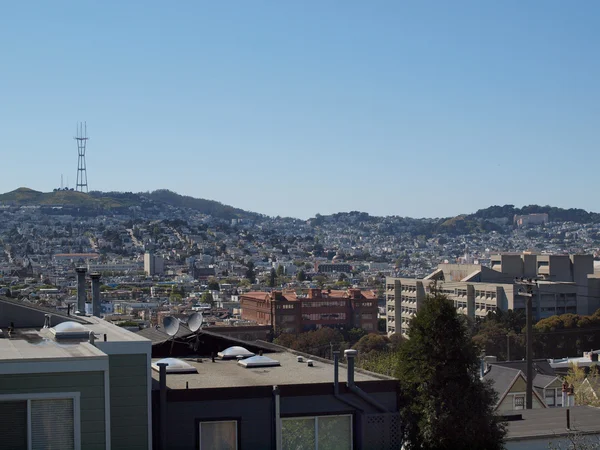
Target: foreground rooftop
[[552, 422], [228, 373]]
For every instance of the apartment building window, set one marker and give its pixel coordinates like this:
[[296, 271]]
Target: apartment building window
[[218, 435], [321, 432], [367, 316], [367, 326], [40, 421]]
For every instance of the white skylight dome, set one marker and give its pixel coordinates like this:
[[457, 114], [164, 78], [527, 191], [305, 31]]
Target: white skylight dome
[[234, 352], [70, 329], [175, 365], [258, 361]]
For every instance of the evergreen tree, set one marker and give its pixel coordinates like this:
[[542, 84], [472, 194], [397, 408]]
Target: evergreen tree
[[445, 405]]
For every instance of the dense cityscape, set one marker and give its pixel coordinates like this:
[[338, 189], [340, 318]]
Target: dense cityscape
[[299, 226]]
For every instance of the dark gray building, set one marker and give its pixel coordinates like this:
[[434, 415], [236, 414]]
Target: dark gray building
[[287, 398]]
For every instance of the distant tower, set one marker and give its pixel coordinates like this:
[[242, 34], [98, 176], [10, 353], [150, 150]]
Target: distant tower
[[81, 139]]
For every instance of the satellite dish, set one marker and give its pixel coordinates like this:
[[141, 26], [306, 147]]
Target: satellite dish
[[171, 325], [195, 321]]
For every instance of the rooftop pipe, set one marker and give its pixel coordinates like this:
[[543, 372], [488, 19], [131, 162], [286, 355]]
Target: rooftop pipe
[[350, 354], [81, 271], [96, 308]]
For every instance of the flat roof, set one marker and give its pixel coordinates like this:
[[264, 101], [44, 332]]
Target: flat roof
[[40, 344], [552, 422], [23, 350], [227, 373]]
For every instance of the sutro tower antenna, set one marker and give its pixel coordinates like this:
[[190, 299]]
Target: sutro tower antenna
[[81, 139]]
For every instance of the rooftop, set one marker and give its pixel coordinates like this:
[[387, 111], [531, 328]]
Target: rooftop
[[552, 422], [40, 343], [227, 373]]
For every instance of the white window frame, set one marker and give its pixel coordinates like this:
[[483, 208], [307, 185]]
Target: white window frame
[[546, 392], [75, 396], [515, 402], [316, 422], [217, 421]]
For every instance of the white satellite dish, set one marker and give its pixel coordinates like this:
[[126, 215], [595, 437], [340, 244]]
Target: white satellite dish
[[194, 322], [171, 325]]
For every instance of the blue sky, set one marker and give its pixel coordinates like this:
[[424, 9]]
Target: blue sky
[[302, 107]]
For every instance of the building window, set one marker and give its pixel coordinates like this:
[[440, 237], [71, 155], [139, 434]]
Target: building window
[[40, 421], [366, 316], [317, 432], [218, 435], [550, 397], [519, 402]]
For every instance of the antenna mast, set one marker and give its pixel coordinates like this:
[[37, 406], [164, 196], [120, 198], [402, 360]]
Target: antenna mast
[[81, 139]]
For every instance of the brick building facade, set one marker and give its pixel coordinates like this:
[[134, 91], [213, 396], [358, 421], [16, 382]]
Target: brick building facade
[[293, 312]]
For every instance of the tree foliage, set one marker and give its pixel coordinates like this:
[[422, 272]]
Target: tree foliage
[[445, 404], [317, 342], [207, 298]]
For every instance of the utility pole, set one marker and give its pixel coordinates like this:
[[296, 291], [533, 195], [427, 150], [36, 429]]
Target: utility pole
[[527, 292]]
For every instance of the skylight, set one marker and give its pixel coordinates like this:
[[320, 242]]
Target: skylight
[[175, 365], [234, 352], [70, 330], [258, 361]]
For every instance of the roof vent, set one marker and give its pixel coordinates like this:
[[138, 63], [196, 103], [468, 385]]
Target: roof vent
[[300, 359], [70, 330], [258, 361], [175, 365], [234, 352]]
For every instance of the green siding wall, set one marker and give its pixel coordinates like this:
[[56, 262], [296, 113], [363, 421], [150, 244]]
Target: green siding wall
[[129, 401], [91, 388]]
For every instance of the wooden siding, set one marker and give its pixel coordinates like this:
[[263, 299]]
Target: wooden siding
[[91, 388], [128, 401]]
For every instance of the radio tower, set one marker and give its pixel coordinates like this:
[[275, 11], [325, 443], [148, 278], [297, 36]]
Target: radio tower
[[81, 139]]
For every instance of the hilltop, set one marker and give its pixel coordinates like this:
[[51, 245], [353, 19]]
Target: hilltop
[[107, 201]]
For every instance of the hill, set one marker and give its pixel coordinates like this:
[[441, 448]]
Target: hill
[[28, 197], [117, 200], [554, 214]]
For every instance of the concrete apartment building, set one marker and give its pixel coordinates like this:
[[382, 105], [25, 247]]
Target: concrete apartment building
[[530, 219], [565, 284], [72, 382], [153, 265], [293, 312]]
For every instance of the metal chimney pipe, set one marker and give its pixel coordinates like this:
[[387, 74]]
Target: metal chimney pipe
[[336, 371], [350, 354], [96, 308], [162, 381], [81, 271]]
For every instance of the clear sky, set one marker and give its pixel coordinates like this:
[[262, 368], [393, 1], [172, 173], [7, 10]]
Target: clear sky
[[301, 107]]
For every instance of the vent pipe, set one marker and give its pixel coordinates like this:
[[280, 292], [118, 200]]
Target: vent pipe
[[81, 271], [96, 308], [162, 381], [350, 354], [336, 371]]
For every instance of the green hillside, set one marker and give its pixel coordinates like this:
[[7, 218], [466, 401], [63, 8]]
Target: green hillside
[[113, 200], [28, 197]]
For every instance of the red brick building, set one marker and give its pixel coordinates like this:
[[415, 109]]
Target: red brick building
[[293, 312]]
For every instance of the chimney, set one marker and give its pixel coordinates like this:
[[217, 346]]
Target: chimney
[[350, 354], [314, 293], [81, 271], [96, 308]]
